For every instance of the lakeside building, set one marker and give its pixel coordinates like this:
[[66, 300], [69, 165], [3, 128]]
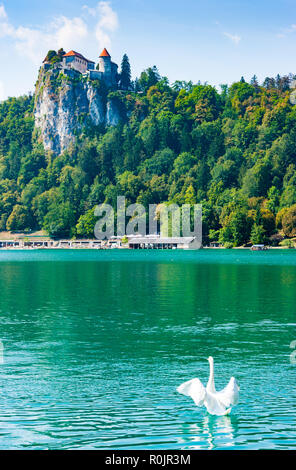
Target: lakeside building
[[216, 244], [55, 244], [133, 242], [160, 243]]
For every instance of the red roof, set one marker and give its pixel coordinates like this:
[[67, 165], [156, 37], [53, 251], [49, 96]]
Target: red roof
[[76, 54], [105, 53], [71, 53]]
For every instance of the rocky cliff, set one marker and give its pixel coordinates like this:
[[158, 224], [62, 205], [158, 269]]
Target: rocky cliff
[[66, 104]]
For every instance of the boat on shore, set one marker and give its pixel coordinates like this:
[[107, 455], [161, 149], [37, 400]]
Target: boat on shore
[[259, 248]]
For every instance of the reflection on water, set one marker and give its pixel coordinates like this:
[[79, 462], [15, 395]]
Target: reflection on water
[[210, 433], [95, 344]]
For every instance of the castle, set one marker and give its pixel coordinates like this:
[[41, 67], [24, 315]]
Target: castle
[[74, 62]]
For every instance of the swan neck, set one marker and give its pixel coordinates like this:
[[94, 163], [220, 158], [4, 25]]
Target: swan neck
[[211, 382]]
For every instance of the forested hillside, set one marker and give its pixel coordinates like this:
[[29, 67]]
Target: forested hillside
[[234, 151]]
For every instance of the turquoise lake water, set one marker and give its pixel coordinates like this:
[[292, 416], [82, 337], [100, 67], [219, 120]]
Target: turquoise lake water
[[96, 342]]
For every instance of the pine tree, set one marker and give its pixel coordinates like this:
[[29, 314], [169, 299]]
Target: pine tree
[[254, 81], [125, 76]]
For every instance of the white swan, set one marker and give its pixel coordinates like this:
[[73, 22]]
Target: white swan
[[217, 403]]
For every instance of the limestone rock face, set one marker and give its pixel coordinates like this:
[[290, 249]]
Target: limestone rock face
[[65, 106], [112, 114]]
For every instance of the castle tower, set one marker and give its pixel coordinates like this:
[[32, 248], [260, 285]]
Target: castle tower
[[108, 68], [105, 63]]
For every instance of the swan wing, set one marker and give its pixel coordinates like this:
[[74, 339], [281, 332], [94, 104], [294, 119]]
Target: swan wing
[[229, 395], [194, 389], [214, 405]]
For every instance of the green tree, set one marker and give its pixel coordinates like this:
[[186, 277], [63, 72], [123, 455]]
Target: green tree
[[125, 74], [232, 150], [59, 220], [289, 222], [190, 197], [236, 229], [86, 225], [148, 78], [257, 234], [19, 219]]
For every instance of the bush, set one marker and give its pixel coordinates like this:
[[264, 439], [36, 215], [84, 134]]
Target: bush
[[19, 219], [228, 245], [289, 222], [287, 242]]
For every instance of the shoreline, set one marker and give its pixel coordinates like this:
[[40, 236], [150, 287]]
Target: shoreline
[[29, 248], [41, 242]]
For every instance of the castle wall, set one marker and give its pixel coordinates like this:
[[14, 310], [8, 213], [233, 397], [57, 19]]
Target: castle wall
[[76, 63], [73, 64], [114, 72], [105, 65], [95, 75]]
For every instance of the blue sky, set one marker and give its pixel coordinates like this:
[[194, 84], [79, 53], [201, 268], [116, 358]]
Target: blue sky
[[213, 41]]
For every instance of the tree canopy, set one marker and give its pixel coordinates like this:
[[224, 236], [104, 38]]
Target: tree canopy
[[232, 150]]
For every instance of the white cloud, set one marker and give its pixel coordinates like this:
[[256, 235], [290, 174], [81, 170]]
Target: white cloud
[[285, 31], [5, 28], [3, 14], [90, 11], [109, 19], [233, 37], [108, 23], [64, 32], [70, 30], [32, 43], [292, 28], [70, 33]]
